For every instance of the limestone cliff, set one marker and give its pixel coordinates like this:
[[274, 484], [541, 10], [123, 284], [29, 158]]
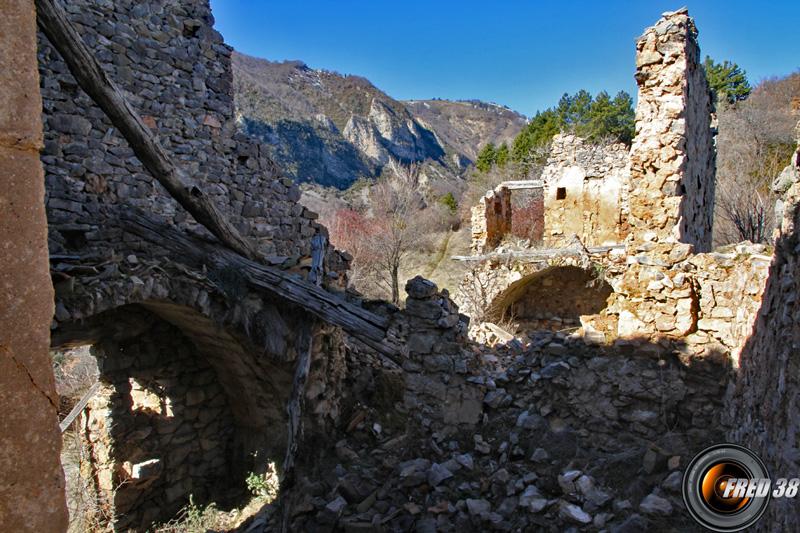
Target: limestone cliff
[[333, 129]]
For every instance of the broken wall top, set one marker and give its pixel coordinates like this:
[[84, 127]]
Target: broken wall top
[[596, 159]]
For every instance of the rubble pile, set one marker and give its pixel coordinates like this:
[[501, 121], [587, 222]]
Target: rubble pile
[[566, 436]]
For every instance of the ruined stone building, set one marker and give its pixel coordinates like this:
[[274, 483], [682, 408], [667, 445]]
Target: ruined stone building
[[194, 373], [586, 191], [583, 192], [661, 190], [656, 196], [407, 425]]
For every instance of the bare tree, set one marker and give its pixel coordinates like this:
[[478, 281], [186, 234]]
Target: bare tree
[[749, 215], [755, 142], [398, 220]]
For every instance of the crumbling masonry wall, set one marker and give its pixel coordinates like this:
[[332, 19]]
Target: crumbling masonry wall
[[32, 485], [170, 326], [160, 430], [491, 220], [700, 303], [672, 157], [175, 70], [763, 403], [670, 294], [585, 192]]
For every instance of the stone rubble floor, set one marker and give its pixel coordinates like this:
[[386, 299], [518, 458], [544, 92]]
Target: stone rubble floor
[[544, 457]]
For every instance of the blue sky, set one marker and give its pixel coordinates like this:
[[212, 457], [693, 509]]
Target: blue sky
[[523, 54]]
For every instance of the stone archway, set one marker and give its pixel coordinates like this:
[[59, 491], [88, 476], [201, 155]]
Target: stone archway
[[162, 426], [189, 404], [552, 298]]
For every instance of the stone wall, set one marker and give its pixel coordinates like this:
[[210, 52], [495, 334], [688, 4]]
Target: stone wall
[[32, 486], [672, 157], [788, 177], [175, 70], [160, 429], [240, 348], [246, 351], [585, 192], [762, 404], [434, 332], [698, 303], [491, 220]]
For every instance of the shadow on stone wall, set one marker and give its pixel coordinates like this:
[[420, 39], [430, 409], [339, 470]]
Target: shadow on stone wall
[[763, 404]]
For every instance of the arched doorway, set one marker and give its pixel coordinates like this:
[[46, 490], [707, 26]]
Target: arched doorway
[[551, 299]]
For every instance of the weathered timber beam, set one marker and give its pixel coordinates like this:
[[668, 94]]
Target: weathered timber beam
[[542, 254], [79, 407], [365, 326], [53, 21], [294, 407], [522, 184]]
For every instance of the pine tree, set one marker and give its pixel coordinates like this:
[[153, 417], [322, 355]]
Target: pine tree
[[624, 124], [727, 80], [501, 156], [486, 158], [450, 202], [600, 118]]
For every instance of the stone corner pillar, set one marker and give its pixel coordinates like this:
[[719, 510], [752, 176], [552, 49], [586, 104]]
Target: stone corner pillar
[[31, 479], [673, 158]]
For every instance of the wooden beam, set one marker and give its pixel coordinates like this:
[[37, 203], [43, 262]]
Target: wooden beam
[[103, 91], [294, 407], [305, 341], [365, 326], [541, 254], [521, 185], [64, 424]]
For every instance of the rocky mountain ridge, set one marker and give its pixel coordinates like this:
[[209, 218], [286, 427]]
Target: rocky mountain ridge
[[467, 125], [334, 129]]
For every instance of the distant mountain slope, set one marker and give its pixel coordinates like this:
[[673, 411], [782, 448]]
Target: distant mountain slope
[[467, 125], [334, 129]]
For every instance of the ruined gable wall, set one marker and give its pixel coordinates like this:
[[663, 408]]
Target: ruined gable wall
[[32, 486], [594, 182], [672, 157]]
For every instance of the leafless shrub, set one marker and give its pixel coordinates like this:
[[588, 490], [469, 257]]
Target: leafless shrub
[[755, 143]]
